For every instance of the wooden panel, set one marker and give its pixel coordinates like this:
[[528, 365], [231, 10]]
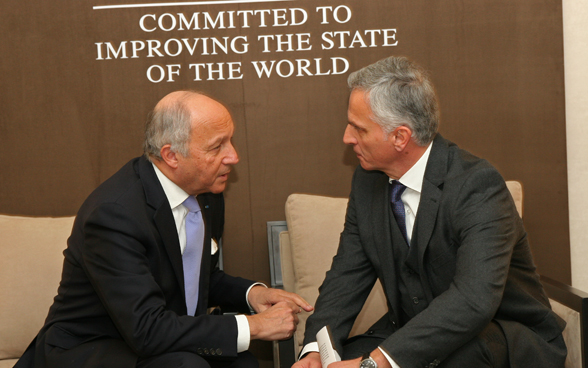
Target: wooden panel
[[70, 120]]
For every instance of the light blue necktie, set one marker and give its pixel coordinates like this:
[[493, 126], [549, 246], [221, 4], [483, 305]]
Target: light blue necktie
[[192, 256], [398, 206]]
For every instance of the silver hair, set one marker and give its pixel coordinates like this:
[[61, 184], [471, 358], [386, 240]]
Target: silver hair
[[399, 92], [168, 124]]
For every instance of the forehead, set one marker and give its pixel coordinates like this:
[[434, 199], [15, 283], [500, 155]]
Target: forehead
[[210, 120], [359, 111]]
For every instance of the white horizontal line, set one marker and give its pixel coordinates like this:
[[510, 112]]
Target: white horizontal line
[[184, 3]]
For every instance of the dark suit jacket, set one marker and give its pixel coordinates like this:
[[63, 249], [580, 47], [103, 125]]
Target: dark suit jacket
[[474, 263], [123, 278]]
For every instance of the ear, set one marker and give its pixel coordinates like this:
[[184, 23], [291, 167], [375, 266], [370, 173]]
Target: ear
[[401, 137], [169, 157]]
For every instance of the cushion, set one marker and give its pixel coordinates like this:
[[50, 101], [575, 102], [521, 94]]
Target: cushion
[[8, 363], [30, 268]]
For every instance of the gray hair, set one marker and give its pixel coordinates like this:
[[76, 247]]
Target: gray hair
[[399, 93], [171, 124]]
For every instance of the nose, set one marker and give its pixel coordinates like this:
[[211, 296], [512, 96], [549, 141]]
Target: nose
[[232, 156], [348, 137]]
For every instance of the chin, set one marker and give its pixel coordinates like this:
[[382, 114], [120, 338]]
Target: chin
[[365, 166], [218, 188]]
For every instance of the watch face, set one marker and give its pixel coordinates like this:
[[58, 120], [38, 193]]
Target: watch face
[[368, 363]]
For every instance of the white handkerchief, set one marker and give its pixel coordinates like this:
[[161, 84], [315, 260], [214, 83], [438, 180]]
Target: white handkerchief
[[213, 246]]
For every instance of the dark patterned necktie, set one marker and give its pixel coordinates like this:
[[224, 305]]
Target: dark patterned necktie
[[398, 207]]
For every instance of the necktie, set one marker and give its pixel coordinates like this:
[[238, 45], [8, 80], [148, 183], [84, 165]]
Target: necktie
[[398, 207], [192, 256]]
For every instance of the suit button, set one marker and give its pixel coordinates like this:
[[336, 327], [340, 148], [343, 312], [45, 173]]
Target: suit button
[[199, 351], [370, 332], [219, 351], [415, 300], [206, 352]]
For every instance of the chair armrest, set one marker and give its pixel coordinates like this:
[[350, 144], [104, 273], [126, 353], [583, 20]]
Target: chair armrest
[[572, 305]]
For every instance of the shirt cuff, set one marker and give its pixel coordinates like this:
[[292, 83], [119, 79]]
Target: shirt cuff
[[309, 348], [243, 333], [392, 362], [247, 296]]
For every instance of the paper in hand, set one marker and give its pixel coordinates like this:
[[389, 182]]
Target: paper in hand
[[326, 347]]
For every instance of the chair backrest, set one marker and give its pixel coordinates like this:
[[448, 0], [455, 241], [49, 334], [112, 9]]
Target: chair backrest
[[314, 225], [516, 191]]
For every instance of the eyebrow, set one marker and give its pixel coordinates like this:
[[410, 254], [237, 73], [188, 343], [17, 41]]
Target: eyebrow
[[215, 142], [355, 125]]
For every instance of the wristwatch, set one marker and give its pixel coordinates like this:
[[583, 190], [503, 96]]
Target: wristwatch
[[367, 362]]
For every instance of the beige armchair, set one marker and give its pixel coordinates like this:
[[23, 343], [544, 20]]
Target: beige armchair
[[302, 248], [30, 269]]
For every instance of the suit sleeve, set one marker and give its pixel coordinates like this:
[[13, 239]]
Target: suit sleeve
[[485, 226], [117, 261], [228, 292], [346, 286]]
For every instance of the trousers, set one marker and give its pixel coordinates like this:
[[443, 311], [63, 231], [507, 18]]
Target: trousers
[[487, 350]]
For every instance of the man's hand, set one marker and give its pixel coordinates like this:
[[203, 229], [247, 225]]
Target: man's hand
[[353, 363], [376, 355], [262, 298], [277, 322], [311, 360]]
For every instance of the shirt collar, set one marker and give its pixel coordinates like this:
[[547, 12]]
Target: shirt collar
[[413, 178], [175, 195]]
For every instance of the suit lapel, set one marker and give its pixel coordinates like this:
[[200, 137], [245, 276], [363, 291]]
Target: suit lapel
[[427, 216], [382, 238], [163, 217], [431, 195]]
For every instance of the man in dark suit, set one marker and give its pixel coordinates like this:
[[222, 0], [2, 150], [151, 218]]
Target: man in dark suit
[[141, 269], [439, 228]]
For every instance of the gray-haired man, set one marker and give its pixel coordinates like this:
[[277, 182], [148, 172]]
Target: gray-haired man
[[439, 228], [141, 269]]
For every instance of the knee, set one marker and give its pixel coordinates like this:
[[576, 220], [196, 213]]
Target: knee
[[488, 349], [174, 360], [243, 360], [191, 360], [246, 360]]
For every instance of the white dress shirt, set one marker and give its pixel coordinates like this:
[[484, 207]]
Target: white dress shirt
[[176, 196], [413, 181]]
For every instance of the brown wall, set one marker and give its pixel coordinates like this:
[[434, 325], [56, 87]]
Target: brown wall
[[69, 121]]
